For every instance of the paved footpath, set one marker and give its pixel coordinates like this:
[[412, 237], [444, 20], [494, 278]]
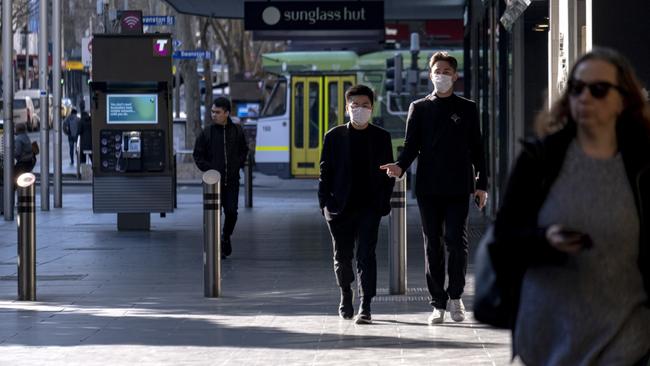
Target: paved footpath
[[136, 298]]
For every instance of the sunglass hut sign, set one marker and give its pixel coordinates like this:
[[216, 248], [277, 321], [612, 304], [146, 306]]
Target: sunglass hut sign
[[314, 15]]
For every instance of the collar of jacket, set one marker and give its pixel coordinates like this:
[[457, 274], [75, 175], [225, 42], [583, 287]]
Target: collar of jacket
[[433, 96], [229, 122], [348, 126]]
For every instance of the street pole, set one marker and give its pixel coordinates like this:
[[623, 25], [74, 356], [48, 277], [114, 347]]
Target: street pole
[[56, 108], [26, 237], [414, 72], [7, 97], [26, 57], [211, 234], [177, 92], [397, 235], [42, 83]]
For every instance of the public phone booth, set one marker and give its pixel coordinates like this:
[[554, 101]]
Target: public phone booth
[[130, 106]]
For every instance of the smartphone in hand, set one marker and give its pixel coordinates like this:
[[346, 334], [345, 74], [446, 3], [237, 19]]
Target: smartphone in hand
[[577, 236]]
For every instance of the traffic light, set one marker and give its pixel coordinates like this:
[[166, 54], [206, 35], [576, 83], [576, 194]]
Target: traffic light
[[393, 79]]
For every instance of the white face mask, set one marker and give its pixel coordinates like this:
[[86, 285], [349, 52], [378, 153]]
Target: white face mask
[[442, 82], [360, 116]]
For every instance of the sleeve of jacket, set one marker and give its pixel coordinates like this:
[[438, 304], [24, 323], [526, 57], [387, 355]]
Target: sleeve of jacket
[[201, 152], [515, 228], [388, 183], [243, 147], [476, 150], [412, 139], [324, 180], [18, 148], [66, 125]]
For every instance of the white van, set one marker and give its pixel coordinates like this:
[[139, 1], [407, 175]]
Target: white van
[[35, 95], [24, 112]]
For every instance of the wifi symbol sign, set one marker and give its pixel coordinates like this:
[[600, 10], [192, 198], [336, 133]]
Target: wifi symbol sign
[[131, 21]]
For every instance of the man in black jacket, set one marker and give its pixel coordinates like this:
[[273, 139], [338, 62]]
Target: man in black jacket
[[354, 194], [442, 131], [222, 146]]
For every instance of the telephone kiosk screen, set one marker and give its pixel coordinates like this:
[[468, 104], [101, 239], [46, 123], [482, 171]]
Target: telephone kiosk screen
[[132, 108]]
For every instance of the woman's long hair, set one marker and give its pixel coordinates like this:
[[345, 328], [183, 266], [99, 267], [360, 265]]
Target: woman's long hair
[[635, 110]]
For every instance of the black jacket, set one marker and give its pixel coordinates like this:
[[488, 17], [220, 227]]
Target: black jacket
[[211, 144], [444, 134], [520, 243], [335, 176], [85, 130]]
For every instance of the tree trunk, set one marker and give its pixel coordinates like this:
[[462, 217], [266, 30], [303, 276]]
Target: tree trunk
[[190, 82], [207, 71]]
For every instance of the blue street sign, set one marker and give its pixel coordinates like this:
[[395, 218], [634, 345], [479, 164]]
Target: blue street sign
[[158, 20], [197, 54], [177, 43]]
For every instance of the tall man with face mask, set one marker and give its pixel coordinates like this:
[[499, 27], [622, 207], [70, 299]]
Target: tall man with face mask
[[442, 131], [354, 193]]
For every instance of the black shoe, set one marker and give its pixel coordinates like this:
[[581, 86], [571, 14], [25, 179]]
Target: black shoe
[[346, 311], [226, 247]]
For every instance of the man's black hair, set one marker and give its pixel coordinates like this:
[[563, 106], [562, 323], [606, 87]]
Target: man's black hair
[[223, 103], [360, 90]]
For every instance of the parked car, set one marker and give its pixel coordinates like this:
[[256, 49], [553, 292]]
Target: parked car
[[24, 112], [35, 94]]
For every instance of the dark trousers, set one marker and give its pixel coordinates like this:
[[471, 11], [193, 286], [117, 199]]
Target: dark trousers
[[444, 216], [229, 203], [71, 143], [360, 226]]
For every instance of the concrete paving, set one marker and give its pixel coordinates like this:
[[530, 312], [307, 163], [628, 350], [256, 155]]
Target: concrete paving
[[136, 298]]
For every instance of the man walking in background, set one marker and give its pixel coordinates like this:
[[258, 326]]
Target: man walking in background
[[71, 128], [222, 146]]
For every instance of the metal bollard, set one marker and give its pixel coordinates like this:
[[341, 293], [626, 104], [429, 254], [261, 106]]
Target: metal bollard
[[26, 237], [248, 180], [397, 235], [212, 234]]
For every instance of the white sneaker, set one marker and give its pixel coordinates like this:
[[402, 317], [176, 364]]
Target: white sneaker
[[456, 309], [437, 316]]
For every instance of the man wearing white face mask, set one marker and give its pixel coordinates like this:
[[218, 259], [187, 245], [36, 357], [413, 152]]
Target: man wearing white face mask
[[354, 194], [442, 131]]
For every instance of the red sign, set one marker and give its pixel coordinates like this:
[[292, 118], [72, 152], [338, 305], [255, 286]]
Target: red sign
[[445, 29], [397, 32]]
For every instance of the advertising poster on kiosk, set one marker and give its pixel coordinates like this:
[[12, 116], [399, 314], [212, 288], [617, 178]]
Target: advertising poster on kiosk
[[132, 108]]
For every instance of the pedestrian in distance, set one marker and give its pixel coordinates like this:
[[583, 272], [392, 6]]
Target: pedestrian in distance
[[572, 231], [23, 151], [443, 132], [222, 146], [354, 193], [71, 126], [85, 134]]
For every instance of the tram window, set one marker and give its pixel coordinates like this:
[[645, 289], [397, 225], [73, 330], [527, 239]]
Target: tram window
[[347, 85], [299, 116], [277, 102], [314, 120], [333, 108]]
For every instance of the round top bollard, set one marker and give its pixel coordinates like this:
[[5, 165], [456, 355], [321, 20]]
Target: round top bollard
[[211, 177], [25, 180]]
